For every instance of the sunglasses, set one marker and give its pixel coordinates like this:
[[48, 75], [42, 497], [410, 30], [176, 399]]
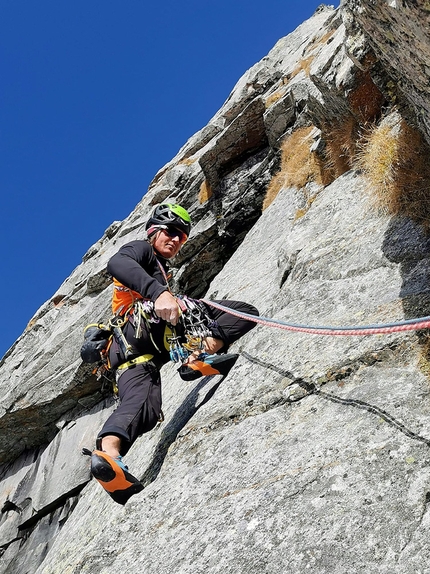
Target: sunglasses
[[174, 232]]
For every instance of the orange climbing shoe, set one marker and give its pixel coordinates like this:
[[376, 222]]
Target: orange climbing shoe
[[114, 477], [207, 365]]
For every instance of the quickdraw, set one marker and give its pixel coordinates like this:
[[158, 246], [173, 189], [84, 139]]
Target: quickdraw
[[144, 309], [195, 320], [196, 327], [116, 323], [178, 353]]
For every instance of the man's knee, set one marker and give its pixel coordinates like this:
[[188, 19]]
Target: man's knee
[[251, 310], [229, 327]]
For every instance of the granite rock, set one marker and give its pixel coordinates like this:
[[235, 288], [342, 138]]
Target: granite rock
[[312, 455]]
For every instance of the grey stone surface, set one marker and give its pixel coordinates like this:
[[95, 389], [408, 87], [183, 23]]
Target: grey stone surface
[[312, 455], [385, 25]]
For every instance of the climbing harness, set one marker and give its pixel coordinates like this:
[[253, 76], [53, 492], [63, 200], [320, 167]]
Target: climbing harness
[[137, 361], [195, 321], [383, 328]]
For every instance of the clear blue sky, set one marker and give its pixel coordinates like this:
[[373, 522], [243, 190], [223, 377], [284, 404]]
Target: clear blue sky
[[95, 98]]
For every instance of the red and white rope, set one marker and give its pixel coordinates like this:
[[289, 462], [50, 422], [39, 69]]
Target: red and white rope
[[383, 328]]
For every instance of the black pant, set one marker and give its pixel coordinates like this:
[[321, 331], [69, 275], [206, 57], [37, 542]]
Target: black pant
[[139, 389], [139, 386]]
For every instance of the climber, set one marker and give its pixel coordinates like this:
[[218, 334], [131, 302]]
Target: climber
[[153, 330]]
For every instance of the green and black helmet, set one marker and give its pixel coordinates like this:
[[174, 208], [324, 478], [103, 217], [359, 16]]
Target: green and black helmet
[[169, 214]]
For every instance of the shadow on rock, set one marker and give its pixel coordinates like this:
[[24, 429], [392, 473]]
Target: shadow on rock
[[183, 414], [408, 244]]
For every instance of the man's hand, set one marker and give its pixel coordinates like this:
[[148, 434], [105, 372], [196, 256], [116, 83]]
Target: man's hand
[[166, 307]]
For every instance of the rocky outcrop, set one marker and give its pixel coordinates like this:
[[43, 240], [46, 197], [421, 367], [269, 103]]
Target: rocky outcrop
[[312, 454], [398, 33]]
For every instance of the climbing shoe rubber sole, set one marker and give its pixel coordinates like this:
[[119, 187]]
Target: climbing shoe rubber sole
[[118, 483], [207, 366]]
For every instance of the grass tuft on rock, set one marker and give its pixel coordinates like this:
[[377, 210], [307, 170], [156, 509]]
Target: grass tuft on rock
[[394, 158]]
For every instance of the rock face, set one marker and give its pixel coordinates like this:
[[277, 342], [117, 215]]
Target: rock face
[[399, 34], [312, 455]]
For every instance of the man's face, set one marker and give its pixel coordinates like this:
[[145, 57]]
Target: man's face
[[169, 241]]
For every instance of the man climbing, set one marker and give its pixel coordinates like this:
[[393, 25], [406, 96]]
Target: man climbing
[[152, 327]]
